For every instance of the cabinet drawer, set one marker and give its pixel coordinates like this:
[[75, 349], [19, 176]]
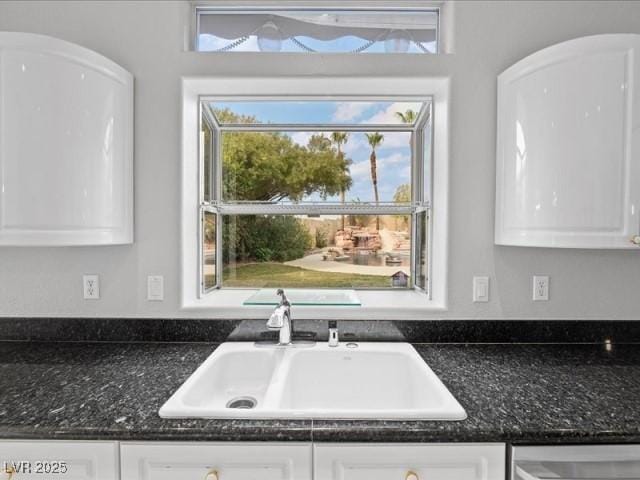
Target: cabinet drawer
[[409, 462], [40, 460], [227, 461]]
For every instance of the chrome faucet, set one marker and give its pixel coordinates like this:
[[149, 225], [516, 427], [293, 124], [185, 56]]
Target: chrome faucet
[[280, 319]]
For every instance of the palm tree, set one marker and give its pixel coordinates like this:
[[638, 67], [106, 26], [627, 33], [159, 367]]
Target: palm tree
[[410, 116], [375, 140], [339, 139]]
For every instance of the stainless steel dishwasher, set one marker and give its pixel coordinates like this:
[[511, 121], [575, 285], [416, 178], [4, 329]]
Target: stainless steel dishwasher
[[576, 462]]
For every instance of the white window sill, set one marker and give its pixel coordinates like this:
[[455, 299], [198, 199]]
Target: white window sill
[[376, 305]]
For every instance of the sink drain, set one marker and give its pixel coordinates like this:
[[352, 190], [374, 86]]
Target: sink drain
[[244, 403]]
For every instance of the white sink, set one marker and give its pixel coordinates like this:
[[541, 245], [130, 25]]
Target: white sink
[[372, 380]]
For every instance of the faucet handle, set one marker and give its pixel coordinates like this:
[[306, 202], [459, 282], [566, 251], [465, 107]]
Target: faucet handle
[[276, 320]]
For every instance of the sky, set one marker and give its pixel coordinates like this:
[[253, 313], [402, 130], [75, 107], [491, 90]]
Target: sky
[[346, 44], [322, 30], [393, 155]]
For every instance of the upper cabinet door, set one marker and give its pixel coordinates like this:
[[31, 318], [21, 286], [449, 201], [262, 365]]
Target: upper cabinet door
[[568, 146], [66, 144]]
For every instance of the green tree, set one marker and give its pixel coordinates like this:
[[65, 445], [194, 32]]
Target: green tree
[[321, 238], [318, 143], [339, 139], [264, 238], [402, 195], [358, 219], [270, 166], [409, 116], [375, 140]]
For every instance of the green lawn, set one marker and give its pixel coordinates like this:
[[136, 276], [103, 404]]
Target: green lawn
[[274, 275]]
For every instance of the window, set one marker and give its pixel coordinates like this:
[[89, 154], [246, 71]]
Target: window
[[338, 30], [315, 193]]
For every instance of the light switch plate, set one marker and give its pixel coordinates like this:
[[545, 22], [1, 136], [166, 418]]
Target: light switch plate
[[480, 289], [155, 288]]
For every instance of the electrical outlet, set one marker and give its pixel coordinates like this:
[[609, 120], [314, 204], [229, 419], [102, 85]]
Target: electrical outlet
[[540, 288], [155, 288], [91, 286], [480, 289]]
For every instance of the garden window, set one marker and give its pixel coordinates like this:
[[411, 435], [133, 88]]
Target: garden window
[[315, 193], [317, 30]]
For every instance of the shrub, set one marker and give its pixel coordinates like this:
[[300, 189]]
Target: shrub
[[321, 238], [264, 238]]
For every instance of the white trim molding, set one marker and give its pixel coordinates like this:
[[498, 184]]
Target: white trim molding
[[387, 304]]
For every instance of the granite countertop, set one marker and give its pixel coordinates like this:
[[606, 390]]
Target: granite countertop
[[512, 393]]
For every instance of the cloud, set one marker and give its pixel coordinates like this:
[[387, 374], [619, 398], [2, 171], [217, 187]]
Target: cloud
[[211, 43], [396, 139], [396, 164], [349, 110], [355, 144], [391, 174], [404, 173], [301, 138], [389, 114], [360, 170], [393, 159], [387, 190]]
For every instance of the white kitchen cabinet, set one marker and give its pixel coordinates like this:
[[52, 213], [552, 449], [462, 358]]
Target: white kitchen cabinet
[[409, 462], [568, 146], [216, 461], [66, 144], [64, 460]]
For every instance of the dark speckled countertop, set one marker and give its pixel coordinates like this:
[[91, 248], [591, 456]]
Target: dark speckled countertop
[[512, 392]]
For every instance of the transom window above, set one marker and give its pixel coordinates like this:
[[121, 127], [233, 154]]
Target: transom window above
[[315, 193], [317, 30]]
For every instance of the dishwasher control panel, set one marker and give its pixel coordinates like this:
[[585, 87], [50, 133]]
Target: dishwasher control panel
[[576, 462]]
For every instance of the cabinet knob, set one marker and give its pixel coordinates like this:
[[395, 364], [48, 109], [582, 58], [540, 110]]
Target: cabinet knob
[[411, 475], [212, 475], [9, 471]]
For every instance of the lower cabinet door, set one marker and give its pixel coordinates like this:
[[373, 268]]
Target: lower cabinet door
[[46, 460], [215, 461], [409, 462]]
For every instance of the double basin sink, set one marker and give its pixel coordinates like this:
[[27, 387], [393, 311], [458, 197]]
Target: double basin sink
[[350, 381]]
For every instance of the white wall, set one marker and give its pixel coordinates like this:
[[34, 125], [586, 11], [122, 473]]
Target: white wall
[[147, 38]]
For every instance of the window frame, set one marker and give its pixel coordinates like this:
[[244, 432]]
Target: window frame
[[376, 305], [221, 207], [204, 6]]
